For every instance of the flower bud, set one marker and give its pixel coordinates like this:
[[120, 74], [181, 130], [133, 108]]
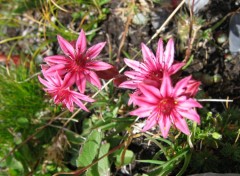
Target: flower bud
[[216, 135]]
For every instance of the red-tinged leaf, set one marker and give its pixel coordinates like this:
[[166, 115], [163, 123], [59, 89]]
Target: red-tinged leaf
[[119, 79], [170, 4], [175, 3], [16, 60], [107, 74]]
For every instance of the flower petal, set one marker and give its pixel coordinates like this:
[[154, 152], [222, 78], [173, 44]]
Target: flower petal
[[141, 112], [135, 65], [66, 47], [81, 44], [130, 101], [56, 59], [143, 101], [189, 103], [93, 79], [134, 75], [159, 52], [169, 53], [148, 57], [54, 79], [192, 88], [150, 122], [94, 51], [45, 83], [81, 82], [175, 68], [151, 92], [44, 67], [98, 65], [82, 96], [54, 68], [164, 123], [69, 79], [190, 114], [166, 87], [131, 84], [180, 86], [69, 104], [80, 104], [180, 123], [57, 79], [132, 96]]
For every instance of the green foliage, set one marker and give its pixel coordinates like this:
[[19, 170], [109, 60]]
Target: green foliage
[[26, 5], [19, 102], [124, 157], [90, 149], [101, 142], [22, 104], [217, 143]]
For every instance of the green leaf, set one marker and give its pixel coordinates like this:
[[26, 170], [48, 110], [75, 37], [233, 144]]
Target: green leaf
[[15, 167], [128, 158], [173, 162], [186, 163], [90, 149], [23, 122], [93, 171], [27, 5], [103, 164], [188, 62], [74, 137], [152, 161]]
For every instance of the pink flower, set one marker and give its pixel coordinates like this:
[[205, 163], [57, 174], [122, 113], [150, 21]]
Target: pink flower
[[165, 106], [78, 64], [152, 67], [192, 88], [60, 91]]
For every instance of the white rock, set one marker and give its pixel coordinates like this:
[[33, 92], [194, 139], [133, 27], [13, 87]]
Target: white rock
[[198, 4], [234, 34], [140, 19]]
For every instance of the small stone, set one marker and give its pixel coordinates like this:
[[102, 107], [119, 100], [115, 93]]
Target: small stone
[[140, 19], [222, 38]]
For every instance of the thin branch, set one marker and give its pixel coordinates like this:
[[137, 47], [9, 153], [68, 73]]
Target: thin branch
[[129, 19], [166, 22], [28, 79], [214, 100], [54, 3]]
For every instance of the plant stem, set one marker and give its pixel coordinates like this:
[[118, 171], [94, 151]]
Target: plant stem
[[214, 100]]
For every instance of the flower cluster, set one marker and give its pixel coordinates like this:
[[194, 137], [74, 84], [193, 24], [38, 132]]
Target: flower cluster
[[73, 69], [158, 94], [159, 98]]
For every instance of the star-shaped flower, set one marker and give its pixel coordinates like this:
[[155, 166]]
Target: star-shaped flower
[[62, 94], [78, 64], [152, 68], [165, 106]]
